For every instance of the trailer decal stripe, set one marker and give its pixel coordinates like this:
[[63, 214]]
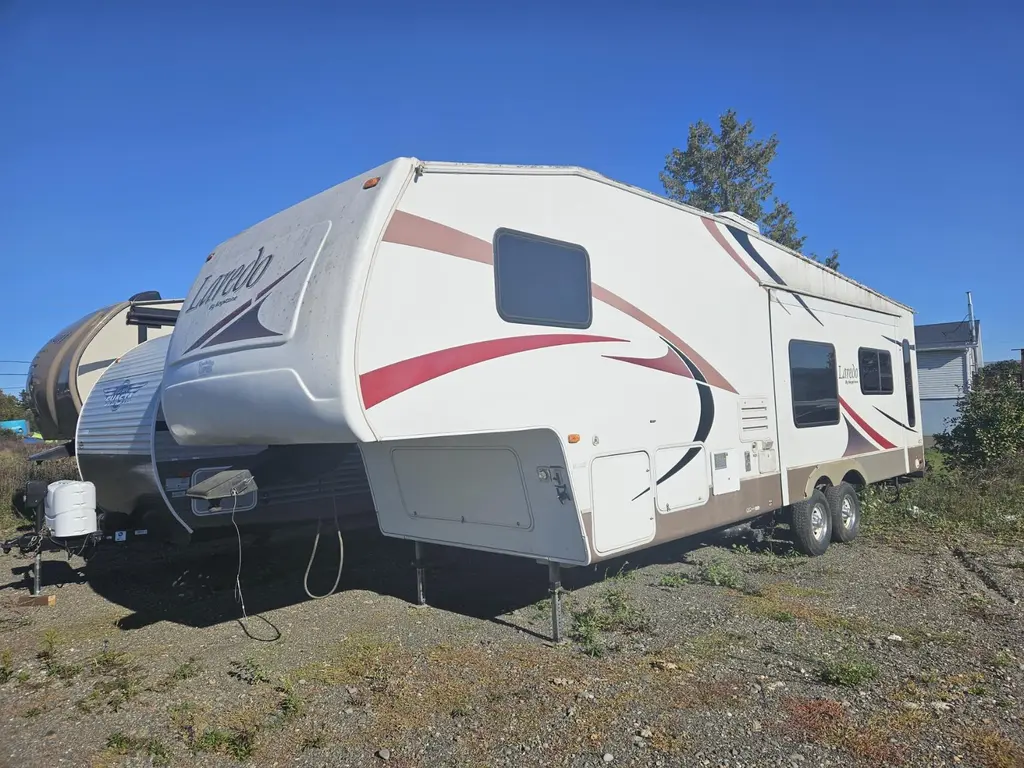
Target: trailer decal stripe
[[744, 240], [418, 232], [714, 378], [856, 443], [865, 426], [409, 229], [896, 421], [720, 238], [704, 423], [670, 362], [382, 383]]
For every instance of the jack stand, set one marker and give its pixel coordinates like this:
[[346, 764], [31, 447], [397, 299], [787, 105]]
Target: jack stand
[[555, 591], [36, 596], [37, 566], [421, 600]]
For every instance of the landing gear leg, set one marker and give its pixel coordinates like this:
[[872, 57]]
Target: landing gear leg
[[421, 599], [36, 573], [555, 591]]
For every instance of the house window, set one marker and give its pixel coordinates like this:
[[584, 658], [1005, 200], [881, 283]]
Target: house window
[[812, 376], [541, 282], [875, 371], [908, 380]]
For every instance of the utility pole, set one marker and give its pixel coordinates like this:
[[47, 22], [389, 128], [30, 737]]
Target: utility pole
[[1021, 365], [973, 338]]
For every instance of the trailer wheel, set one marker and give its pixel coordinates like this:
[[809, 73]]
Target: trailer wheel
[[845, 506], [811, 524]]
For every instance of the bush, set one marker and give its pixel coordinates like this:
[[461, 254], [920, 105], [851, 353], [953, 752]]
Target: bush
[[955, 499], [990, 426], [16, 470]]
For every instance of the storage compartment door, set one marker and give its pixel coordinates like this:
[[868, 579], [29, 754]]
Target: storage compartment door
[[623, 514], [688, 485]]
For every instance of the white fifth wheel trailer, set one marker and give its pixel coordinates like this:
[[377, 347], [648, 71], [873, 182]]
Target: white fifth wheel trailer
[[542, 362]]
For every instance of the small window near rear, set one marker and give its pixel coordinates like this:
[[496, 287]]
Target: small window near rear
[[538, 281], [875, 371]]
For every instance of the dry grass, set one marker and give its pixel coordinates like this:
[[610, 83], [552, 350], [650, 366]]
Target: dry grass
[[780, 602], [16, 470], [824, 721], [993, 750]]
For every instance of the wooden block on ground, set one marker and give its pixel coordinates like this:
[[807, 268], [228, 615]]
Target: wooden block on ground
[[38, 600]]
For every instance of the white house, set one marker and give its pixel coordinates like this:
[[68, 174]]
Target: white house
[[948, 356]]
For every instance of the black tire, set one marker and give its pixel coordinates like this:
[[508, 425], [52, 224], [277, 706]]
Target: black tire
[[811, 524], [845, 507]]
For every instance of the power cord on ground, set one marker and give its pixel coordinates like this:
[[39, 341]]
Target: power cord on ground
[[239, 597], [312, 557]]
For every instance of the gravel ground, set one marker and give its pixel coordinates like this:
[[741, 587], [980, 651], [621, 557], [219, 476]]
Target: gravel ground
[[732, 653]]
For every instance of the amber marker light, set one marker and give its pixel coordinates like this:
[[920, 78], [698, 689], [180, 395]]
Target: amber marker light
[[574, 438], [371, 183]]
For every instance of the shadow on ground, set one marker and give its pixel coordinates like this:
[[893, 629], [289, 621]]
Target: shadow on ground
[[194, 585]]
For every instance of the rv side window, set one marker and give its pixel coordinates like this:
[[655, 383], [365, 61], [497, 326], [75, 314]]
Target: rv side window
[[875, 371], [812, 376], [540, 281], [908, 380]]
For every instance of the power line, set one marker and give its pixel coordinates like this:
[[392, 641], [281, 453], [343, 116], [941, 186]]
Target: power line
[[17, 362]]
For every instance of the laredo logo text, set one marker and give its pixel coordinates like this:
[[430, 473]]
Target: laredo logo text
[[117, 396], [223, 288], [849, 375]]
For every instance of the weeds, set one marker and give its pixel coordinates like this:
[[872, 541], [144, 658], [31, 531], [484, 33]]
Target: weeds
[[291, 704], [825, 721], [122, 744], [620, 575], [239, 744], [673, 580], [992, 749], [6, 666], [615, 615], [249, 671], [1001, 659], [848, 674], [719, 573], [315, 738], [121, 682], [184, 671], [49, 654], [952, 502]]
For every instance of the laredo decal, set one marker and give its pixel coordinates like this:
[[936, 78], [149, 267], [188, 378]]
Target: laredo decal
[[117, 396], [244, 321], [849, 375], [225, 286]]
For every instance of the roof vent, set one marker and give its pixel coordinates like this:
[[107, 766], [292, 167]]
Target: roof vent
[[735, 218]]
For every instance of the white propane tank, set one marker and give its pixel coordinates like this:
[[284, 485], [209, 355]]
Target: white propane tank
[[71, 508]]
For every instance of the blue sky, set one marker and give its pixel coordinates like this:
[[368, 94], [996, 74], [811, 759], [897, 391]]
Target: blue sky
[[137, 136]]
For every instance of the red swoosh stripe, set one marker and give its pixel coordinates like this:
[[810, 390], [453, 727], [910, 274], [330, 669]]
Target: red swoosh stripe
[[727, 246], [418, 232], [669, 362], [380, 384], [865, 426]]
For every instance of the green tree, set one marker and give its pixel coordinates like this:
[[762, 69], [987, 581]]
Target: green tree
[[728, 170], [10, 407], [15, 407]]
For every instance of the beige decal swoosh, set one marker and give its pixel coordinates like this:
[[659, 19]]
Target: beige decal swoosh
[[418, 232]]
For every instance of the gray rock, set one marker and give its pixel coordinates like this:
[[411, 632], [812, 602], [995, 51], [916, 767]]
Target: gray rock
[[384, 754]]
